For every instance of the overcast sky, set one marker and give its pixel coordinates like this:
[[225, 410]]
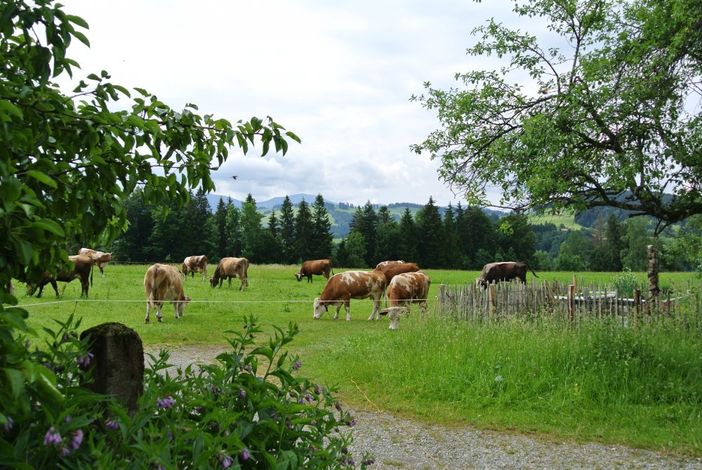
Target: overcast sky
[[338, 74]]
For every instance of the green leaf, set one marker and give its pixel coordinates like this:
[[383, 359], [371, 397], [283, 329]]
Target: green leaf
[[42, 178], [16, 381], [9, 109], [81, 37], [49, 225], [77, 20]]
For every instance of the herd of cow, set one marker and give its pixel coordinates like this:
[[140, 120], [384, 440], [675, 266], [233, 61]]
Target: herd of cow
[[402, 283]]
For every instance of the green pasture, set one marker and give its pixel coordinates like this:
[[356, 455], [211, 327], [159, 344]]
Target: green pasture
[[598, 382]]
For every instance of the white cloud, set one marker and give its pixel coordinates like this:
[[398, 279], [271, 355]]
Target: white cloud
[[338, 74]]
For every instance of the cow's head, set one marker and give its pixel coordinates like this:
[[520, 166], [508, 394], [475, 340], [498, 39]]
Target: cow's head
[[394, 316], [319, 308], [480, 282], [180, 306], [184, 269], [298, 276], [213, 281]]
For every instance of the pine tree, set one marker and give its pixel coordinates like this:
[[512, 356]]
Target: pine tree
[[365, 222], [132, 244], [251, 231], [429, 228], [451, 254], [321, 237], [221, 228], [271, 241], [615, 243], [408, 237], [476, 237], [287, 232], [388, 237], [303, 231], [233, 230]]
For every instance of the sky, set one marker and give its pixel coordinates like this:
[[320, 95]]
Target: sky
[[338, 74]]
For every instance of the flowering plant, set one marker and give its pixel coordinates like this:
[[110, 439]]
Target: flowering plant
[[248, 410]]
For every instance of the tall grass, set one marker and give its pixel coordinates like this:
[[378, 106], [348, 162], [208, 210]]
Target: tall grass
[[600, 381]]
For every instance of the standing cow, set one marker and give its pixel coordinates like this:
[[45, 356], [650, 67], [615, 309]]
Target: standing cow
[[82, 269], [195, 264], [100, 258], [391, 269], [343, 287], [162, 282], [229, 268], [404, 290], [320, 267], [504, 271]]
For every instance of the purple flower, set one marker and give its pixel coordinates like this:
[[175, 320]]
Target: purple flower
[[245, 455], [112, 424], [226, 461], [297, 364], [84, 361], [77, 438], [68, 419], [337, 405], [8, 424], [52, 437], [351, 423], [242, 393], [64, 451], [165, 402], [308, 398]]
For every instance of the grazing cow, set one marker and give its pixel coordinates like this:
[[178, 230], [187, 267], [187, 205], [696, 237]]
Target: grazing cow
[[100, 258], [229, 268], [403, 290], [504, 271], [393, 268], [343, 287], [82, 269], [162, 282], [315, 266], [195, 264]]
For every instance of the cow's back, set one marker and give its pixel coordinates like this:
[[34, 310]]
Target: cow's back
[[393, 268], [406, 286], [353, 284], [162, 281]]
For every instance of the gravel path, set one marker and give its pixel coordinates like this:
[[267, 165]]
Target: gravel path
[[400, 443]]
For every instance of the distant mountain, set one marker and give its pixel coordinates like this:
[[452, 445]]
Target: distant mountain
[[341, 213]]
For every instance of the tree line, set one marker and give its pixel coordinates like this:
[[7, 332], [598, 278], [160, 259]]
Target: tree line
[[450, 238]]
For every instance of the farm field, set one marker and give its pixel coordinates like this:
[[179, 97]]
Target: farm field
[[598, 382]]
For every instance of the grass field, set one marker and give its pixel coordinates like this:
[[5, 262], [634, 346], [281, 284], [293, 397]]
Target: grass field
[[599, 382]]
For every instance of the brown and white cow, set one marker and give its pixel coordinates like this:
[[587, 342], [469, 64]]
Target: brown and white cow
[[392, 268], [100, 258], [163, 283], [321, 267], [82, 269], [343, 287], [404, 290], [503, 271], [229, 268], [195, 264]]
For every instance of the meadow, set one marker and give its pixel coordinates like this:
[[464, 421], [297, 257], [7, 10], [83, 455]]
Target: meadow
[[598, 382]]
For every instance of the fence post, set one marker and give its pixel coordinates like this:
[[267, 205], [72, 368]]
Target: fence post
[[637, 305], [442, 295], [653, 288], [571, 303], [492, 298]]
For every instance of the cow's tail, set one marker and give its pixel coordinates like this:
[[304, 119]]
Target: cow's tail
[[532, 272], [91, 273]]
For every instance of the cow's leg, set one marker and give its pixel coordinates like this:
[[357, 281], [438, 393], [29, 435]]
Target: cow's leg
[[230, 281], [336, 314], [148, 310], [84, 286], [102, 271], [376, 308], [53, 284], [347, 306], [159, 306]]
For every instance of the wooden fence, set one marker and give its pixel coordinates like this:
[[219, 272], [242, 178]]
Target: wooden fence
[[554, 299]]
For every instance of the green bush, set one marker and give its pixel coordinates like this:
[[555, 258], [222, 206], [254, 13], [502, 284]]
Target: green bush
[[625, 282], [248, 410]]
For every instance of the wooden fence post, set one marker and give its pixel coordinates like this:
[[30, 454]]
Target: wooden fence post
[[492, 298], [571, 303], [442, 296], [637, 305], [653, 288]]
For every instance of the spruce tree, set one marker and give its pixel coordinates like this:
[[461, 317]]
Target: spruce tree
[[321, 237], [132, 244], [233, 230], [408, 238], [221, 228], [303, 231], [387, 245], [287, 232], [365, 222], [450, 250], [429, 228], [251, 231]]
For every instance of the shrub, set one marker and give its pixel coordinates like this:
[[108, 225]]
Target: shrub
[[625, 283], [248, 410]]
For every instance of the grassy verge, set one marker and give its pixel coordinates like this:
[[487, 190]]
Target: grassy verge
[[599, 382]]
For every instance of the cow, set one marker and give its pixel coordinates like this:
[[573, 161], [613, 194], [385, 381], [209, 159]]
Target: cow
[[195, 264], [229, 268], [315, 266], [403, 290], [161, 283], [503, 271], [343, 287], [100, 258], [393, 268], [82, 269]]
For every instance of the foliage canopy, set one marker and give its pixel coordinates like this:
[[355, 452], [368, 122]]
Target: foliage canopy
[[610, 117]]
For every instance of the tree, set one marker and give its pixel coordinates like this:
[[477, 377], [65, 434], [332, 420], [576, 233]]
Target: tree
[[408, 237], [287, 231], [451, 254], [387, 245], [251, 231], [68, 161], [221, 224], [637, 240], [516, 239], [131, 245], [321, 237], [476, 235], [365, 222], [303, 232], [233, 228], [271, 241], [605, 122], [429, 229]]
